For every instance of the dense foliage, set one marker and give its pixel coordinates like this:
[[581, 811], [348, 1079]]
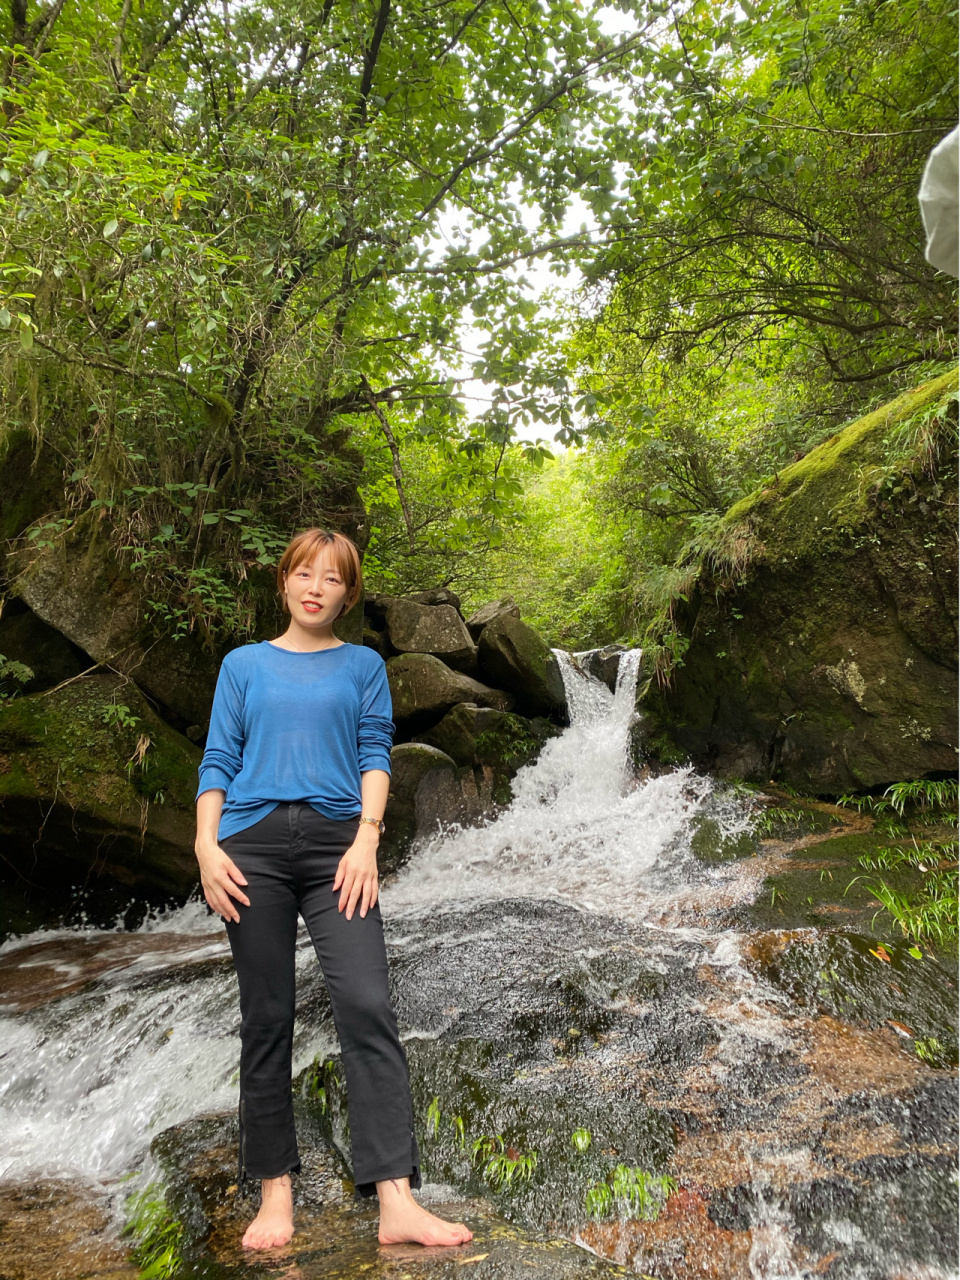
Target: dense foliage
[[263, 266], [231, 231]]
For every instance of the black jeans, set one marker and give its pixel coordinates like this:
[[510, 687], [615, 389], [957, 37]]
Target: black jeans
[[289, 859]]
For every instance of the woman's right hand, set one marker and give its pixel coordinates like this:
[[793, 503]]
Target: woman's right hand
[[221, 878]]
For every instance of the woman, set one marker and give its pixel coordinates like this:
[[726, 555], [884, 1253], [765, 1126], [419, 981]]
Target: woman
[[293, 785]]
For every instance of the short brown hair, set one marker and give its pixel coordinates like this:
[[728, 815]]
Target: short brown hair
[[304, 549]]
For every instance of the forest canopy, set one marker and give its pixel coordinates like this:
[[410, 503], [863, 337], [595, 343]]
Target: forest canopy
[[269, 265]]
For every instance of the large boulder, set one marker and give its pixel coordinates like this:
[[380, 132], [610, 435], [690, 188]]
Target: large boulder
[[502, 608], [81, 590], [821, 633], [436, 629], [473, 735], [423, 690], [424, 793], [95, 789], [603, 664], [437, 595], [514, 657]]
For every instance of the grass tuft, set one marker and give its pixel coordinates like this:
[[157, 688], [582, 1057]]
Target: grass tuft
[[158, 1235]]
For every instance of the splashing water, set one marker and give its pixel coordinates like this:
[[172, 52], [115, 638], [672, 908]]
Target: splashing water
[[579, 829], [148, 1041]]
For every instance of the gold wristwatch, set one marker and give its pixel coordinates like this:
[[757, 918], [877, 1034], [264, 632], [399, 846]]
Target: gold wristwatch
[[376, 822]]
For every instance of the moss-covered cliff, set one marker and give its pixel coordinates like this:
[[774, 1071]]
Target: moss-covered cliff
[[821, 628]]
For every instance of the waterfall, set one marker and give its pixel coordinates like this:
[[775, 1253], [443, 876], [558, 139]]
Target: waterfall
[[579, 829]]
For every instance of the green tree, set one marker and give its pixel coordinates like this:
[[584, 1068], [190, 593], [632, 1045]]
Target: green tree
[[231, 233], [774, 212]]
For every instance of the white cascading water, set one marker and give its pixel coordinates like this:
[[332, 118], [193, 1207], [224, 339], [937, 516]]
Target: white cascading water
[[580, 829], [88, 1080]]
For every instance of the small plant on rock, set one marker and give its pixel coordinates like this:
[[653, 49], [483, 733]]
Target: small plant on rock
[[631, 1193], [580, 1139], [158, 1234], [13, 676], [502, 1164]]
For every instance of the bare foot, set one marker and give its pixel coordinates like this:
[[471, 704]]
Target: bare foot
[[273, 1225], [402, 1220]]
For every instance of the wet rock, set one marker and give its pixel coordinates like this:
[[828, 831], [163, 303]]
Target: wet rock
[[424, 793], [822, 648], [424, 689], [438, 595], [656, 1103], [505, 607], [56, 1229], [603, 664], [864, 980], [40, 973], [336, 1235], [435, 629], [95, 788], [514, 657]]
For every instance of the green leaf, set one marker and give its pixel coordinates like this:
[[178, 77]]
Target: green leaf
[[26, 337], [5, 318], [211, 518], [41, 158], [110, 228]]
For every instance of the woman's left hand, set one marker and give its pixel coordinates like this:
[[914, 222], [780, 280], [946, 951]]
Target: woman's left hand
[[357, 877]]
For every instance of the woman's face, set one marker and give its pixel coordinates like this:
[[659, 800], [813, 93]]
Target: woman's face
[[315, 592]]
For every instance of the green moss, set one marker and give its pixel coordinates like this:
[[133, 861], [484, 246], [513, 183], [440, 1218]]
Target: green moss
[[827, 493], [509, 743], [97, 744], [158, 1234]]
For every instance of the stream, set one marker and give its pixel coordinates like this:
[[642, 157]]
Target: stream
[[625, 1058]]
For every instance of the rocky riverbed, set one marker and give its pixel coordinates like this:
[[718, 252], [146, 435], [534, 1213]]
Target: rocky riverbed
[[652, 1030]]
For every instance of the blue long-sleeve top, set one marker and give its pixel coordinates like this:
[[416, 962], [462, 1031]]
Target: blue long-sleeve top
[[296, 726]]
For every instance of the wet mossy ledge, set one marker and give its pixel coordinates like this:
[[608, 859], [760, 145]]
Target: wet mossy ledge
[[818, 637]]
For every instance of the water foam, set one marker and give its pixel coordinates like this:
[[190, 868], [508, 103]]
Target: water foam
[[579, 829], [89, 1079]]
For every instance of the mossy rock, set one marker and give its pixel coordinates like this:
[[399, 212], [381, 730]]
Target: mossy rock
[[423, 689], [95, 787], [424, 791], [504, 741], [80, 588], [205, 1212], [821, 631], [514, 657]]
